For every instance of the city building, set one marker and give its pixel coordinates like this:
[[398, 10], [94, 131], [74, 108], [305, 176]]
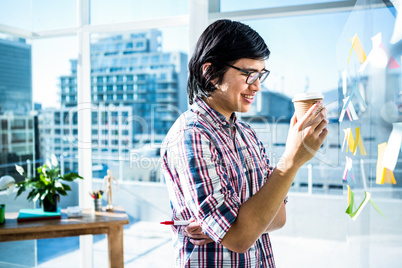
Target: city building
[[15, 76], [137, 93], [18, 126], [131, 70], [111, 134]]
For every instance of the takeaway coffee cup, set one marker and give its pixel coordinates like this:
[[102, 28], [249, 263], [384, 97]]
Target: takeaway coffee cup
[[304, 101]]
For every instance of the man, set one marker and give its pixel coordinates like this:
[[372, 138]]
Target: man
[[217, 171]]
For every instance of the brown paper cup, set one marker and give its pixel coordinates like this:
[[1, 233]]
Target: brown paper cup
[[303, 102]]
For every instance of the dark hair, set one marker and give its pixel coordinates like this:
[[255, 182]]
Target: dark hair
[[223, 42]]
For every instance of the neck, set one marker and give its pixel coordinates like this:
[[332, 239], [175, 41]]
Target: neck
[[213, 104]]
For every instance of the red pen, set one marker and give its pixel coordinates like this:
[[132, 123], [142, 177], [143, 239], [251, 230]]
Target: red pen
[[175, 222]]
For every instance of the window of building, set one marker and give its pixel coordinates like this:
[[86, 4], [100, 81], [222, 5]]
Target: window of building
[[94, 118], [57, 118]]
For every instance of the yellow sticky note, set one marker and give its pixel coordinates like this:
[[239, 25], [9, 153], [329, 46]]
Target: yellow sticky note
[[383, 175], [357, 46], [359, 142], [351, 141], [349, 194]]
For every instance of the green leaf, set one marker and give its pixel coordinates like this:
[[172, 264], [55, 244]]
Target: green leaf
[[43, 196], [20, 170], [31, 195], [66, 187], [71, 176], [54, 161], [20, 191], [62, 192], [36, 197]]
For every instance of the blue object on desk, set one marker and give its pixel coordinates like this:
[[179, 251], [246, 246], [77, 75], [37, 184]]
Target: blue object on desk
[[33, 214]]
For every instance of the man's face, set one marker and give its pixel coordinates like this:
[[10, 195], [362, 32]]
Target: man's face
[[234, 94]]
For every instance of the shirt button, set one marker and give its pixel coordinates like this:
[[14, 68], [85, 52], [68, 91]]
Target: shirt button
[[244, 169]]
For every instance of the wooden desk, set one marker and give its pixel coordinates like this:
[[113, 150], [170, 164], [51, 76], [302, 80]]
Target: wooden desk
[[91, 223]]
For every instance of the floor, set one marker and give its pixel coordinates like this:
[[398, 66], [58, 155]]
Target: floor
[[148, 244]]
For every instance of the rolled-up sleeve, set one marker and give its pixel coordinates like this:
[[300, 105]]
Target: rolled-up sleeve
[[208, 192]]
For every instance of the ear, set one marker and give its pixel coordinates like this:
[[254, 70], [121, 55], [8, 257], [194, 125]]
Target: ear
[[205, 67]]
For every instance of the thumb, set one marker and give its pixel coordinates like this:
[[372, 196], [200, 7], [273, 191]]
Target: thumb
[[293, 120]]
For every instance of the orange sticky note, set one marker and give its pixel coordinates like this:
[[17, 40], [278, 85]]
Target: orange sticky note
[[357, 46], [359, 142], [383, 175]]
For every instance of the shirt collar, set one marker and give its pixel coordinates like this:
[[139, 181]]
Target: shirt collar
[[213, 116]]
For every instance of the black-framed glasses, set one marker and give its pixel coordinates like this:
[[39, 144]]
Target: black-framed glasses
[[253, 76]]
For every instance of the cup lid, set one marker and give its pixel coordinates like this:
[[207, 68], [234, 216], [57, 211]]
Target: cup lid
[[307, 96]]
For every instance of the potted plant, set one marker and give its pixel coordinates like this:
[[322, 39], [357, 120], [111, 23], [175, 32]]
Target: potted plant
[[47, 185]]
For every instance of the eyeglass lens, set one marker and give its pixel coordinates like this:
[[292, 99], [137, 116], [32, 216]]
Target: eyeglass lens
[[255, 75]]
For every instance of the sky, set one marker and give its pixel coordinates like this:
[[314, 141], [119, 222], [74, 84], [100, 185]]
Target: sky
[[307, 52]]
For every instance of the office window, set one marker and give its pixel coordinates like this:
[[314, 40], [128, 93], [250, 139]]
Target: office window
[[122, 11], [34, 16], [228, 5]]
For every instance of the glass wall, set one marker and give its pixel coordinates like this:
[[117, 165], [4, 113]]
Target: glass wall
[[319, 53]]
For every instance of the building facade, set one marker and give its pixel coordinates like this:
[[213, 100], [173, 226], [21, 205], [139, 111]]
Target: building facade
[[131, 70], [15, 76], [111, 134], [137, 93], [18, 125]]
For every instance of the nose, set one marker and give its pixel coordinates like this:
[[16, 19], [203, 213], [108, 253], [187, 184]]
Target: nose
[[256, 86]]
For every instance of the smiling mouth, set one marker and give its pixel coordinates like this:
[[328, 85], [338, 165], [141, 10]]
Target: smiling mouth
[[250, 97]]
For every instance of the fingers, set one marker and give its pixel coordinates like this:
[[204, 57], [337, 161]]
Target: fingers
[[200, 242], [322, 135], [193, 227], [199, 238], [195, 236], [310, 114], [322, 125], [313, 116], [194, 230], [293, 120]]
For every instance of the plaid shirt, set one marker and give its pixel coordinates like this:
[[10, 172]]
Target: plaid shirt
[[212, 166]]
